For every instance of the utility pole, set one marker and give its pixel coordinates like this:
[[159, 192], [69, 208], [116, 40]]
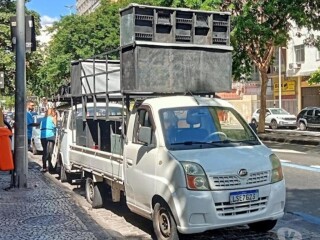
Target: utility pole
[[20, 143], [280, 85]]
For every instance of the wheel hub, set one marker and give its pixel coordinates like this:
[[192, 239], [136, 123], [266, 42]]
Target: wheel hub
[[91, 191], [164, 224]]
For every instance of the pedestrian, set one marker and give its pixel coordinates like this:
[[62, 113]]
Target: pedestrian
[[48, 135], [30, 121]]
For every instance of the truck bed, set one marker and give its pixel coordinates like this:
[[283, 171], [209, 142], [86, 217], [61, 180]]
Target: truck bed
[[105, 164]]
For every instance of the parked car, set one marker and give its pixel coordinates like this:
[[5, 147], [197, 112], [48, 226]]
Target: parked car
[[309, 117], [276, 118], [36, 146]]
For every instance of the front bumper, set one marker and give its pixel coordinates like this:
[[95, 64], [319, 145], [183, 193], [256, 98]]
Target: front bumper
[[283, 123], [199, 211]]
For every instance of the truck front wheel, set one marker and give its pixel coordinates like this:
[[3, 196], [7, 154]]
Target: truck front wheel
[[263, 226], [93, 193], [164, 226]]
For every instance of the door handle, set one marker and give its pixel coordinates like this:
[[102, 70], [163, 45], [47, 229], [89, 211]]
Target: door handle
[[129, 162]]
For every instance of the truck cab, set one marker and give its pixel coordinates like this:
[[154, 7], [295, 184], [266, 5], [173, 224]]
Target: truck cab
[[202, 167]]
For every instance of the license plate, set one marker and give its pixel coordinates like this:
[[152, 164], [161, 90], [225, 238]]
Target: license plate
[[244, 196]]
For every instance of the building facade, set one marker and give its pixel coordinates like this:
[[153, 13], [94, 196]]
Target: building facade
[[87, 6], [302, 61]]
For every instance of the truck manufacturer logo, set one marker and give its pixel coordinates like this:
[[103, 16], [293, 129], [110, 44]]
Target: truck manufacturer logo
[[243, 172]]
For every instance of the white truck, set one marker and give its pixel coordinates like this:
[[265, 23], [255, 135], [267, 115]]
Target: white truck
[[188, 163]]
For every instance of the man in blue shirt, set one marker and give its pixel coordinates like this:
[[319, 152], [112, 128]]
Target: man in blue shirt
[[30, 122]]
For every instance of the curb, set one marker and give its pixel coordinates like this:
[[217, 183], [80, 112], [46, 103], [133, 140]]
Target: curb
[[290, 139]]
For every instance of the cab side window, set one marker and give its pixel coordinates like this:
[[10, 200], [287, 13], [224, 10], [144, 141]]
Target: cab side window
[[143, 119]]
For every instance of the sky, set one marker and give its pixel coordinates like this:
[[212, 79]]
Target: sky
[[52, 10]]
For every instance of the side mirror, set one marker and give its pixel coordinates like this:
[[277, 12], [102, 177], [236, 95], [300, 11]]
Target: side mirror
[[145, 134]]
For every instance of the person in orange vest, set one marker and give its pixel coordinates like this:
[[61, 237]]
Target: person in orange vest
[[6, 159]]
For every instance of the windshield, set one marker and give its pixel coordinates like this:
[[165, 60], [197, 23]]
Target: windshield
[[279, 111], [198, 127]]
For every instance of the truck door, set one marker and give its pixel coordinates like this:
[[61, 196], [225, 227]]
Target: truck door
[[65, 136], [140, 162]]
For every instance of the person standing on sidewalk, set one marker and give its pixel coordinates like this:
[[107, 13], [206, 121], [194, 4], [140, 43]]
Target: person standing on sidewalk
[[30, 122], [48, 135]]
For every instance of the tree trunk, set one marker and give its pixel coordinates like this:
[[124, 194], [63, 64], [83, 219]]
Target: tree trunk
[[263, 100]]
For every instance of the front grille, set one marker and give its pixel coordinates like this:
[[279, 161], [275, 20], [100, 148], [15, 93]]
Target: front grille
[[223, 181], [225, 209], [231, 181], [258, 177], [290, 119]]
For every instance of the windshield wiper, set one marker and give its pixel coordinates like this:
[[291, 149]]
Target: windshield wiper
[[247, 141], [190, 143]]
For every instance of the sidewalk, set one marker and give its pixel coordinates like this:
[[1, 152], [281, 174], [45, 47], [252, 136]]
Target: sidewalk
[[294, 137], [44, 210]]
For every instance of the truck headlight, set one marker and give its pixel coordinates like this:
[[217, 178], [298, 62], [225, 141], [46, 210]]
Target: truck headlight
[[195, 176], [277, 174]]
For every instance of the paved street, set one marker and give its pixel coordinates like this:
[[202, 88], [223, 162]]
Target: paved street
[[117, 216], [49, 209], [44, 210]]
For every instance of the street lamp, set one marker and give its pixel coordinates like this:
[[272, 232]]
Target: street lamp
[[69, 7]]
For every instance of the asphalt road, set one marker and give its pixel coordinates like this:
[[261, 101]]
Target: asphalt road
[[301, 220], [301, 165]]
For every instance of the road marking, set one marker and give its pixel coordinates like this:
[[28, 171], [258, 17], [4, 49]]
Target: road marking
[[287, 151], [307, 168], [308, 218], [284, 161], [315, 166]]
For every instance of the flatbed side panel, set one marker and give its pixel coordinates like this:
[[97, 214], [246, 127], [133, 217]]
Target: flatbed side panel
[[108, 164]]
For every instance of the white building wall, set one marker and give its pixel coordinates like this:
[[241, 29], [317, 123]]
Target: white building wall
[[312, 58], [87, 6]]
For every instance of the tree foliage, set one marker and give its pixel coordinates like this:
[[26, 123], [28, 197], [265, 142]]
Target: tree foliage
[[7, 57], [78, 37], [315, 77], [258, 28], [262, 25]]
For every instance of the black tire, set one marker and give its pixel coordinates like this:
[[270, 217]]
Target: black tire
[[34, 149], [274, 124], [93, 193], [64, 176], [58, 168], [263, 226], [302, 126], [164, 225]]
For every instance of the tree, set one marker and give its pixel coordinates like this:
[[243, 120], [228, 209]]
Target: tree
[[7, 57], [78, 37], [259, 27]]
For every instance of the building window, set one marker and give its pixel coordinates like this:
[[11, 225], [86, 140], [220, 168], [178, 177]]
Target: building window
[[299, 51]]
